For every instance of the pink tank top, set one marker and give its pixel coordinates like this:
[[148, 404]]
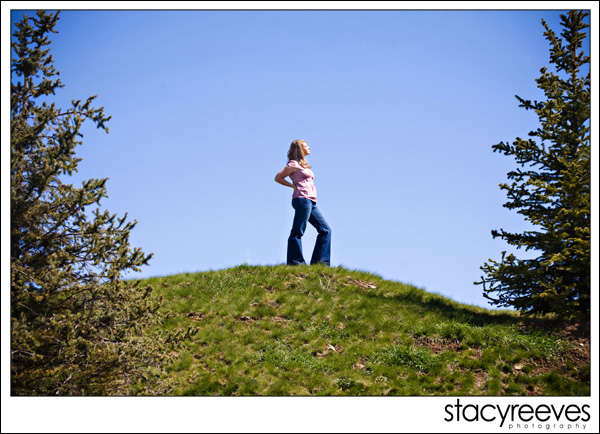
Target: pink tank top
[[302, 179]]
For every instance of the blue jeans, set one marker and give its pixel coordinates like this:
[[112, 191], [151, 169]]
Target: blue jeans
[[307, 212]]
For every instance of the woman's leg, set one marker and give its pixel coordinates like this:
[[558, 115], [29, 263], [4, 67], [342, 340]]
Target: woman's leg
[[294, 250], [322, 252]]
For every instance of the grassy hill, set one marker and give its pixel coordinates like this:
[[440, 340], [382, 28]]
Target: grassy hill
[[314, 330]]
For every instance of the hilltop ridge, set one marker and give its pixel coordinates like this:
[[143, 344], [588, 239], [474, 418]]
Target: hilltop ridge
[[314, 330]]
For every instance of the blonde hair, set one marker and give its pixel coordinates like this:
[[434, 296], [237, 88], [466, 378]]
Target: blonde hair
[[296, 152]]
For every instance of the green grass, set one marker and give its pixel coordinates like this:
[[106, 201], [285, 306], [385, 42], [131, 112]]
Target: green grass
[[315, 330]]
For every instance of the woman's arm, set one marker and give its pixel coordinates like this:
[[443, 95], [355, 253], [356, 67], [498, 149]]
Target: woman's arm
[[284, 173]]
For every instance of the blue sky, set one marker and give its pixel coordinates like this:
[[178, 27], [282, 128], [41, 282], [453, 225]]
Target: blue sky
[[400, 108]]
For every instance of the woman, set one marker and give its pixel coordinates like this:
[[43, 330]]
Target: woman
[[304, 202]]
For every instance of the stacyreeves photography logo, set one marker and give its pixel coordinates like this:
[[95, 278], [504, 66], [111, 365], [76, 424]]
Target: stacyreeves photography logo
[[521, 416]]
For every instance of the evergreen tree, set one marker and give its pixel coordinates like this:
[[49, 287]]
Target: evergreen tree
[[76, 325], [553, 191]]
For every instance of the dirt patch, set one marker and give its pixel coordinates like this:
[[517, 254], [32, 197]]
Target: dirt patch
[[293, 280], [244, 318], [480, 377], [273, 304], [360, 283], [281, 320], [577, 334], [329, 349], [270, 303], [196, 316], [437, 346], [361, 365]]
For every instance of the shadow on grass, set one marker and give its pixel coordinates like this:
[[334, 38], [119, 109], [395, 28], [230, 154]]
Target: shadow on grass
[[473, 315]]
